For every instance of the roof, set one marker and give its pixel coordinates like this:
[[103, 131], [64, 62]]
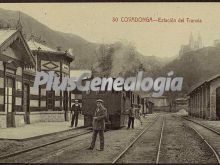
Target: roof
[[203, 82], [33, 45], [5, 34], [8, 36], [36, 46]]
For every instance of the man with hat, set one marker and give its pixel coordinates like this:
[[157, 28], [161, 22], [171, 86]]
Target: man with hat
[[75, 110], [99, 118], [131, 115]]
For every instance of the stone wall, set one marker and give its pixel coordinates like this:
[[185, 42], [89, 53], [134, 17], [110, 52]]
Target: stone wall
[[19, 119], [47, 116], [3, 120]]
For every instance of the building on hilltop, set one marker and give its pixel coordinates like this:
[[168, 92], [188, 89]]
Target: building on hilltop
[[216, 43], [192, 45]]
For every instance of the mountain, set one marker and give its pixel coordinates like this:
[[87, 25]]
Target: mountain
[[195, 66], [83, 50], [87, 54], [119, 58]]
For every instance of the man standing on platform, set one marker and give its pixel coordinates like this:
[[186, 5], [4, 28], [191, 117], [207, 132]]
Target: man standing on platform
[[99, 118], [75, 111]]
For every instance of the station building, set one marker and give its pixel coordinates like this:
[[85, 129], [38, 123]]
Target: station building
[[49, 105], [19, 60], [204, 99], [17, 64]]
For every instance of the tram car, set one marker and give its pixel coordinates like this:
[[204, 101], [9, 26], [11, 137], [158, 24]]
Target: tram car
[[116, 102], [147, 106]]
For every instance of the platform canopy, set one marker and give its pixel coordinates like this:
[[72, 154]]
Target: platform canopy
[[201, 83]]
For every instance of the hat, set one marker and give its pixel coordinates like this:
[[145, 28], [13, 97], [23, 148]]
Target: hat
[[99, 100]]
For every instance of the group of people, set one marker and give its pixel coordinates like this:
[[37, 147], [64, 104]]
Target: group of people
[[99, 118]]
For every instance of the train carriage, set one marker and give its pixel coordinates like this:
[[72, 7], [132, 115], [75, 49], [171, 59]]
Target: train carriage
[[116, 103]]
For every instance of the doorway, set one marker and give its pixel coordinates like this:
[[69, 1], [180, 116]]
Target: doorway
[[65, 105], [50, 100]]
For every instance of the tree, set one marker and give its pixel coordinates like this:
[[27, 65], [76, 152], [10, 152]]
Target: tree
[[105, 60]]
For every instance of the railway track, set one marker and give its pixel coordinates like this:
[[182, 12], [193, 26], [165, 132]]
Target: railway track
[[146, 147], [17, 153], [159, 146], [125, 151], [41, 153], [208, 135]]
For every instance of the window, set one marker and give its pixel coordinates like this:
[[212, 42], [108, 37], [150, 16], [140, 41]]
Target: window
[[19, 71], [43, 92], [9, 95], [1, 82], [18, 86], [34, 91], [1, 65]]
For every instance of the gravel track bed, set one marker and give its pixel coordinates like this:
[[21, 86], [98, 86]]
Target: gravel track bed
[[115, 142], [47, 151], [181, 144], [144, 150], [211, 137], [11, 146]]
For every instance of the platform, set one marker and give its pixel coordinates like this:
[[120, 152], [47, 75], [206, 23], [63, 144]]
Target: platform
[[214, 124], [36, 130]]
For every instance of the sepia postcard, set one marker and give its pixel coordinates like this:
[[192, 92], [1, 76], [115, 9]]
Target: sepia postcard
[[110, 82]]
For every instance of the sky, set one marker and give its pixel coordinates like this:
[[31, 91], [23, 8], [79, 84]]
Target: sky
[[93, 22]]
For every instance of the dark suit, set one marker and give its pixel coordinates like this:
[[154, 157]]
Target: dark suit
[[99, 126], [75, 110], [131, 117]]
